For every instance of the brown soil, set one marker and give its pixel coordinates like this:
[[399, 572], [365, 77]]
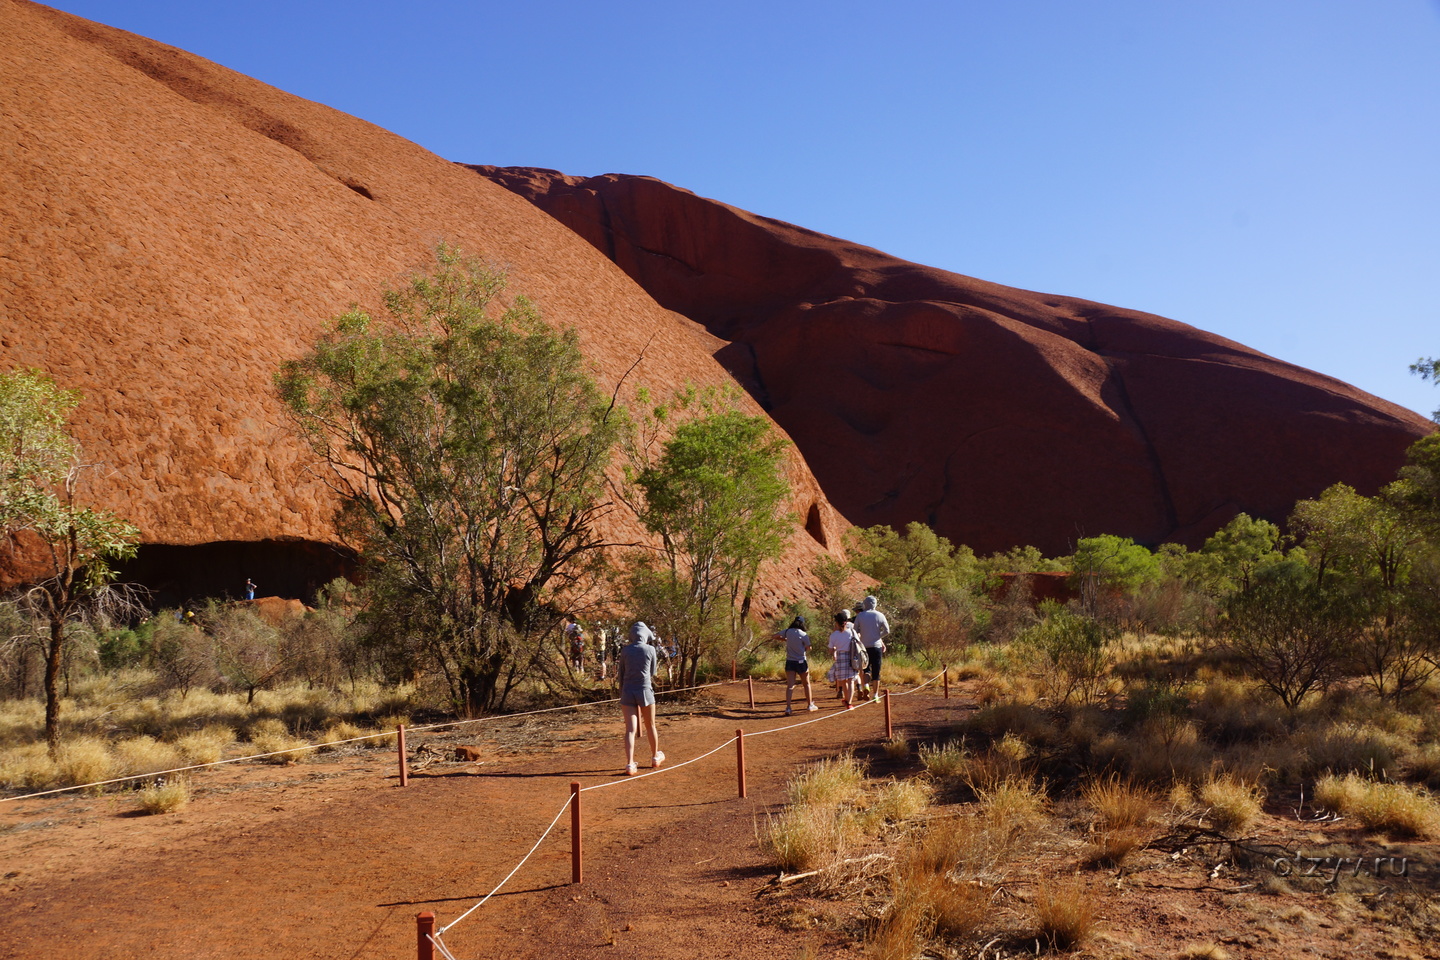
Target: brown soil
[[333, 859]]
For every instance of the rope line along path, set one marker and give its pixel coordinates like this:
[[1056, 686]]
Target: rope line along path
[[302, 748], [436, 937]]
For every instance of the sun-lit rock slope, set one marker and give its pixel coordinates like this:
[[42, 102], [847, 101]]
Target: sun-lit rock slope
[[171, 230], [997, 415]]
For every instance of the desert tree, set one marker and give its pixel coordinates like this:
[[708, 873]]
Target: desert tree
[[714, 492], [1107, 566], [467, 445], [68, 547], [1292, 635]]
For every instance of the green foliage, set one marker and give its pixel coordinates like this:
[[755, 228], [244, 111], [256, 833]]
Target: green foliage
[[918, 558], [1072, 650], [1239, 550], [1292, 636], [1117, 562], [1428, 368], [715, 493], [469, 455]]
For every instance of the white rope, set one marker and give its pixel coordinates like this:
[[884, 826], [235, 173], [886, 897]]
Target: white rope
[[435, 939], [686, 763], [512, 873]]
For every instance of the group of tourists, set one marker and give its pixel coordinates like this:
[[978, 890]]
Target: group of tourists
[[857, 645], [604, 649]]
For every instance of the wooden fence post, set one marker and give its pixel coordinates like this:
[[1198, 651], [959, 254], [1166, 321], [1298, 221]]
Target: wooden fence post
[[750, 682], [889, 727], [947, 682], [404, 767], [740, 760], [424, 927], [575, 874]]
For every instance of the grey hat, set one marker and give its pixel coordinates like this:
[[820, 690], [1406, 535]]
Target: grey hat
[[639, 633]]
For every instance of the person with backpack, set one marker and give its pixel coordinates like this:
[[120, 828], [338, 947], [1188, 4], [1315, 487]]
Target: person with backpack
[[797, 667], [849, 653], [873, 627]]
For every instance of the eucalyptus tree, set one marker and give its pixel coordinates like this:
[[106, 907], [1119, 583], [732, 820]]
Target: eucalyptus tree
[[467, 443]]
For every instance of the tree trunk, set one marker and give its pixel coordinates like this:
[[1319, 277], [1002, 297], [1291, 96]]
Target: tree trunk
[[52, 682]]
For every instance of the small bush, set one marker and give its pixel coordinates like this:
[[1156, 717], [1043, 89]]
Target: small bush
[[168, 797], [1351, 748], [1396, 808], [1233, 804], [897, 748]]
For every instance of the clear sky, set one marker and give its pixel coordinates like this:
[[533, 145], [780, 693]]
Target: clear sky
[[1268, 170]]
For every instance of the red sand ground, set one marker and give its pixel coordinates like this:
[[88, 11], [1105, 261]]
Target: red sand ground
[[333, 859]]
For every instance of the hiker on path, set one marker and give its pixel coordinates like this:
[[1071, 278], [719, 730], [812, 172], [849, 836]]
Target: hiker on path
[[873, 628], [250, 589], [797, 667], [841, 645], [576, 635], [635, 670]]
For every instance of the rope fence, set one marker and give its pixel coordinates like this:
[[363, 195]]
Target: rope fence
[[331, 744], [429, 938]]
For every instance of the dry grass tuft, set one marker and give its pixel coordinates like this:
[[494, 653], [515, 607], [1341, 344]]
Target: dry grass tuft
[[944, 761], [1397, 808], [897, 748], [1065, 914], [1234, 805], [206, 745], [807, 836], [1111, 848], [1119, 803], [895, 801], [164, 797], [1204, 951], [83, 760], [337, 732], [1012, 806], [841, 780], [141, 755], [28, 768]]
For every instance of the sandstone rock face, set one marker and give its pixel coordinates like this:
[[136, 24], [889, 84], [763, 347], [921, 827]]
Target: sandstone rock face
[[170, 231], [998, 416]]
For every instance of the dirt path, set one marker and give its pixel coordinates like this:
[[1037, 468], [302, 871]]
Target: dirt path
[[334, 859]]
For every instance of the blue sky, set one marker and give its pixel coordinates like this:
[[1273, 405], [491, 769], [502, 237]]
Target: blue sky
[[1265, 169]]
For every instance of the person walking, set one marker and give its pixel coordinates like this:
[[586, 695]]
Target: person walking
[[797, 666], [250, 589], [842, 641], [873, 627], [635, 670]]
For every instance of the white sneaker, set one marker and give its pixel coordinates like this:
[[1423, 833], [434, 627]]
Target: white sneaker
[[813, 708], [631, 769], [659, 759]]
